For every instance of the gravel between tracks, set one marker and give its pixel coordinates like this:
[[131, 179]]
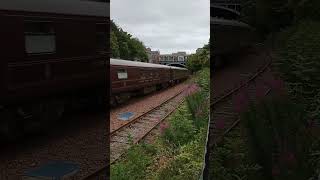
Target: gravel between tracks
[[84, 143], [142, 105]]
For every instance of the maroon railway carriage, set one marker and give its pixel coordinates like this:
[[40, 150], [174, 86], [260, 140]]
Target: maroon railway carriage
[[130, 77], [53, 53]]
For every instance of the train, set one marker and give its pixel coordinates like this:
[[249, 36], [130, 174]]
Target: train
[[129, 78], [230, 35], [54, 57]]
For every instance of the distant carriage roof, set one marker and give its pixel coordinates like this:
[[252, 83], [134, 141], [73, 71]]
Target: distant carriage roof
[[140, 64], [220, 21], [72, 7]]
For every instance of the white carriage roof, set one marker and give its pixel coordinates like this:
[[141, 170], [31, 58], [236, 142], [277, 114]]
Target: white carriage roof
[[220, 21], [72, 7], [121, 62]]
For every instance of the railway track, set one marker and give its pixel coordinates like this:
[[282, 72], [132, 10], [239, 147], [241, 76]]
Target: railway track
[[133, 132], [224, 117], [223, 114]]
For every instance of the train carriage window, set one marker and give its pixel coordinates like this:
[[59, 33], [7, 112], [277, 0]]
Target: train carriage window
[[102, 37], [122, 74], [39, 37]]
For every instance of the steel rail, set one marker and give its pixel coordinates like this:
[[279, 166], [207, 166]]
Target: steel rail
[[104, 168], [261, 70], [143, 114]]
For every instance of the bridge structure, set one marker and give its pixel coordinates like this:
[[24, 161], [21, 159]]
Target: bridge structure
[[177, 63], [230, 4], [182, 65]]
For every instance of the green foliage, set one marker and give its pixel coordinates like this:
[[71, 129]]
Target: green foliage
[[187, 164], [194, 63], [203, 79], [273, 15], [299, 63], [315, 158], [275, 127], [231, 161], [306, 9], [198, 106], [114, 46], [200, 59], [134, 166], [181, 129], [125, 47]]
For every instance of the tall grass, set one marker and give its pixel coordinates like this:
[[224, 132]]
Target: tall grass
[[278, 138]]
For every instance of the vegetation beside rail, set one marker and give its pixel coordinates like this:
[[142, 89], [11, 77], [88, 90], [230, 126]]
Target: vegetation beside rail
[[178, 152], [275, 140], [200, 59], [279, 137]]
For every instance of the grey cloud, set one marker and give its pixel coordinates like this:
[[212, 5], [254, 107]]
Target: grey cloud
[[166, 25]]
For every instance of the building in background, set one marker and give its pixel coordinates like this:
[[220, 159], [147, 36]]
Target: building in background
[[153, 56], [179, 57], [157, 58]]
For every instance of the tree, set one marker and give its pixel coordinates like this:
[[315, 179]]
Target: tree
[[124, 46], [200, 59], [114, 46]]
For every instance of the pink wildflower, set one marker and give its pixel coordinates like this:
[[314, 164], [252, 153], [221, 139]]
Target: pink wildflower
[[275, 170], [198, 112], [163, 127], [311, 123], [220, 123], [276, 85], [288, 158], [260, 91], [240, 102]]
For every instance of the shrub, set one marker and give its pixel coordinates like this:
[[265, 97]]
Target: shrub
[[203, 79], [181, 129], [199, 109], [230, 160], [134, 166], [278, 138], [299, 63], [187, 164]]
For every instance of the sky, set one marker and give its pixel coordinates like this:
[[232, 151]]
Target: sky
[[165, 25]]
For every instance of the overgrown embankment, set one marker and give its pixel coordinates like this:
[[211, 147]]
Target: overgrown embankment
[[178, 151]]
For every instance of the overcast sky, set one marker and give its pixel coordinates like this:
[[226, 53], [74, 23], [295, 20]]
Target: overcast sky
[[165, 25]]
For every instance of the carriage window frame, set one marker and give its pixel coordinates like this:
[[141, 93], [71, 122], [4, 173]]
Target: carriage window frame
[[43, 28], [122, 74]]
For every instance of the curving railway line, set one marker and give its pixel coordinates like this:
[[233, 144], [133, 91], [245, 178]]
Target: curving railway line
[[122, 138], [224, 115], [223, 107]]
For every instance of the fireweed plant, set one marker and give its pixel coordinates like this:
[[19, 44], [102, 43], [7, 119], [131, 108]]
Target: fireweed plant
[[276, 133]]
